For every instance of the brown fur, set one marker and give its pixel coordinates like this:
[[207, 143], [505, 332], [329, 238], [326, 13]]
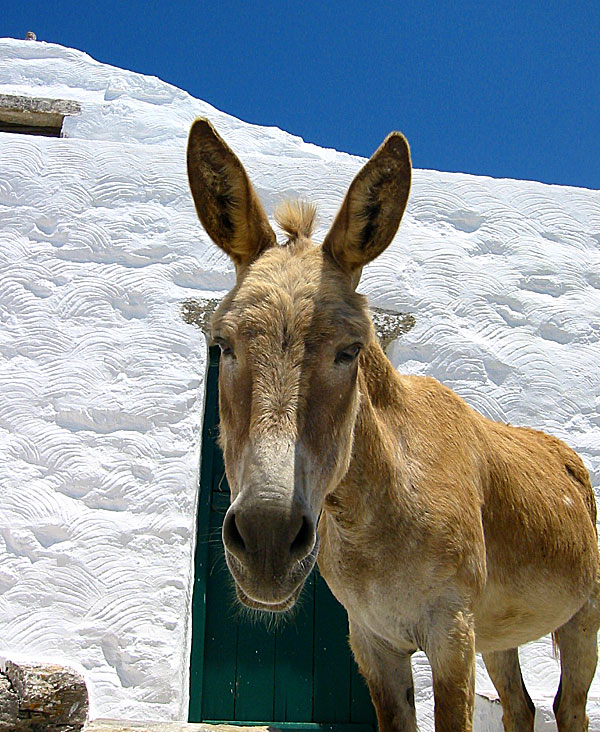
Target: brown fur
[[438, 529], [297, 219]]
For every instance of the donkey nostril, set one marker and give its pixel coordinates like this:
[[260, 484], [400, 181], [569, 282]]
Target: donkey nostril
[[231, 534], [304, 540]]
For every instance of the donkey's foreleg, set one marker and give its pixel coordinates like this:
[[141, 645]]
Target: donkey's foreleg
[[578, 643], [518, 711], [450, 648], [388, 674]]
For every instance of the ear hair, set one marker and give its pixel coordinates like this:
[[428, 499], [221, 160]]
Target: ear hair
[[225, 200]]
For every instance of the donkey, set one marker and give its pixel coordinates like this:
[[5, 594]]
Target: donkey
[[436, 528]]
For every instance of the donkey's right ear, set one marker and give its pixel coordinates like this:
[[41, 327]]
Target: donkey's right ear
[[227, 205]]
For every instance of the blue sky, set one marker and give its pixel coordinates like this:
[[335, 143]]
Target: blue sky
[[508, 89]]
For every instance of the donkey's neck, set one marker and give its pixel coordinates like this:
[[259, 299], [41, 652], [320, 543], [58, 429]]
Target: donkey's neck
[[380, 387], [376, 468]]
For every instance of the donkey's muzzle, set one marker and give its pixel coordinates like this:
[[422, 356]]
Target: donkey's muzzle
[[273, 547]]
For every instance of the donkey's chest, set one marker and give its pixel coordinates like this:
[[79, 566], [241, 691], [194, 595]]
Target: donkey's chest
[[392, 610], [381, 590]]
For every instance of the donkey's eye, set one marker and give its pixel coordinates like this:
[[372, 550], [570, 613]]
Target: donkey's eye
[[226, 348], [348, 354]]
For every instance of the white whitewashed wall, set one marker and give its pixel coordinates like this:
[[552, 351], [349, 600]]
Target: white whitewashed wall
[[102, 382]]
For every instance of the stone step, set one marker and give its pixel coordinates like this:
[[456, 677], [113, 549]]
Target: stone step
[[114, 725]]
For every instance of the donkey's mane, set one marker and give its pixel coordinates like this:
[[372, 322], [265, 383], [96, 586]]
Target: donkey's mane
[[296, 218]]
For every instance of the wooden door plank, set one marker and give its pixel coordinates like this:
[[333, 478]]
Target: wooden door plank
[[332, 662], [221, 637], [294, 660], [201, 559], [255, 674]]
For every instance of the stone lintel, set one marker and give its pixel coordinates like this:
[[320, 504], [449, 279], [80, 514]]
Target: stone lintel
[[389, 325], [36, 111]]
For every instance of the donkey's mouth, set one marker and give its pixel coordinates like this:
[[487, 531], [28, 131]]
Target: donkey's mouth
[[268, 607], [288, 587]]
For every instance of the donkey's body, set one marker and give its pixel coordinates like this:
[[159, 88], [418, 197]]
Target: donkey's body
[[439, 529], [464, 517]]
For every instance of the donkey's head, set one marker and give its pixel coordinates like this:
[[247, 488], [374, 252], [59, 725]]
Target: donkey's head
[[291, 333]]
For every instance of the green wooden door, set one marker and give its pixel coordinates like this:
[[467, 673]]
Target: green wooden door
[[294, 672]]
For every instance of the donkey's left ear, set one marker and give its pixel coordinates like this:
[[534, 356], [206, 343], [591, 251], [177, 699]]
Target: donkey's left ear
[[371, 212]]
